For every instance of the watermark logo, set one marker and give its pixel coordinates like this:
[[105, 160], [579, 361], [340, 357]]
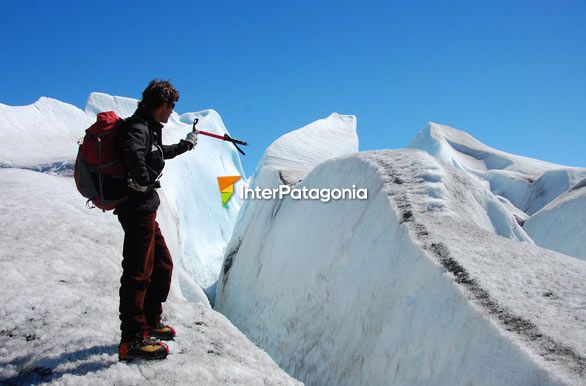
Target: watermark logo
[[226, 184], [304, 193]]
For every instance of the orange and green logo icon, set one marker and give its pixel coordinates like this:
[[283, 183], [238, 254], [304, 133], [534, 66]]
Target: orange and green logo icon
[[226, 184]]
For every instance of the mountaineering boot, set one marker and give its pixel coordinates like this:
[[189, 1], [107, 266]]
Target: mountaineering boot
[[161, 331], [142, 349]]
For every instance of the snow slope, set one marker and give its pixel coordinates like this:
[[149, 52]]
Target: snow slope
[[41, 136], [415, 285], [58, 319], [190, 185], [561, 225], [527, 183]]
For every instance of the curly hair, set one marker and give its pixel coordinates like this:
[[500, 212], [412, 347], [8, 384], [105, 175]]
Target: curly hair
[[158, 93]]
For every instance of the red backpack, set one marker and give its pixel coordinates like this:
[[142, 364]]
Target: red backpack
[[99, 174]]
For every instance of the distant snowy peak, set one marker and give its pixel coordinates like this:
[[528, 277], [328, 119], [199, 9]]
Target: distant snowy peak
[[296, 153]]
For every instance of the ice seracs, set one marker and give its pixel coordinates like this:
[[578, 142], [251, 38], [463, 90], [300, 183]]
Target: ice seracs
[[524, 185], [294, 154], [528, 183], [561, 225], [432, 280]]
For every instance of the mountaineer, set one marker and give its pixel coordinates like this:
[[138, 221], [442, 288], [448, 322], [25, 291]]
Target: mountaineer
[[147, 264]]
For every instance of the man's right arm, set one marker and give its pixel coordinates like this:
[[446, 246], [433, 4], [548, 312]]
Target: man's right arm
[[133, 142]]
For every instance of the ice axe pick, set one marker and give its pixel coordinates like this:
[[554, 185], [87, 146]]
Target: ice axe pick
[[225, 137]]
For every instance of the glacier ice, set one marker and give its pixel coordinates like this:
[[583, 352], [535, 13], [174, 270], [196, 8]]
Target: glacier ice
[[430, 280], [561, 224]]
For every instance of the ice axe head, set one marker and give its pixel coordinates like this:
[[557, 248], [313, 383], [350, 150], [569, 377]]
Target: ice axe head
[[225, 137]]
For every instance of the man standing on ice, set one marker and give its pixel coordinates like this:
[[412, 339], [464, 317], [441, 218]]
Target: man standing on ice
[[147, 264]]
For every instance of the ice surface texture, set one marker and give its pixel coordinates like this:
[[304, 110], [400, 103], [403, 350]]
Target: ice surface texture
[[59, 300], [429, 281]]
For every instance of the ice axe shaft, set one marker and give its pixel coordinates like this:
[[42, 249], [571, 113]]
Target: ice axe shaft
[[224, 137]]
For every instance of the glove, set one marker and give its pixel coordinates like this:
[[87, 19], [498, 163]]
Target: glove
[[132, 184], [192, 138]]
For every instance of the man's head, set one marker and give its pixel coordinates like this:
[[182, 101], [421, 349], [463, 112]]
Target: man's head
[[159, 99]]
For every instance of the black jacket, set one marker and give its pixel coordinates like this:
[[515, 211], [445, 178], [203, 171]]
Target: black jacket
[[140, 147]]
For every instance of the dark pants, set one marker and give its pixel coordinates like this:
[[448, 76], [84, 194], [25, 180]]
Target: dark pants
[[146, 278]]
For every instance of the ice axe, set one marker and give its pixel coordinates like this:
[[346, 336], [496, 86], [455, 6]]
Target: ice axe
[[225, 137]]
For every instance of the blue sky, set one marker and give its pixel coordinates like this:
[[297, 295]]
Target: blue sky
[[511, 73]]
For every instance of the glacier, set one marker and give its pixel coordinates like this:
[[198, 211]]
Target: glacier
[[465, 265], [432, 280]]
